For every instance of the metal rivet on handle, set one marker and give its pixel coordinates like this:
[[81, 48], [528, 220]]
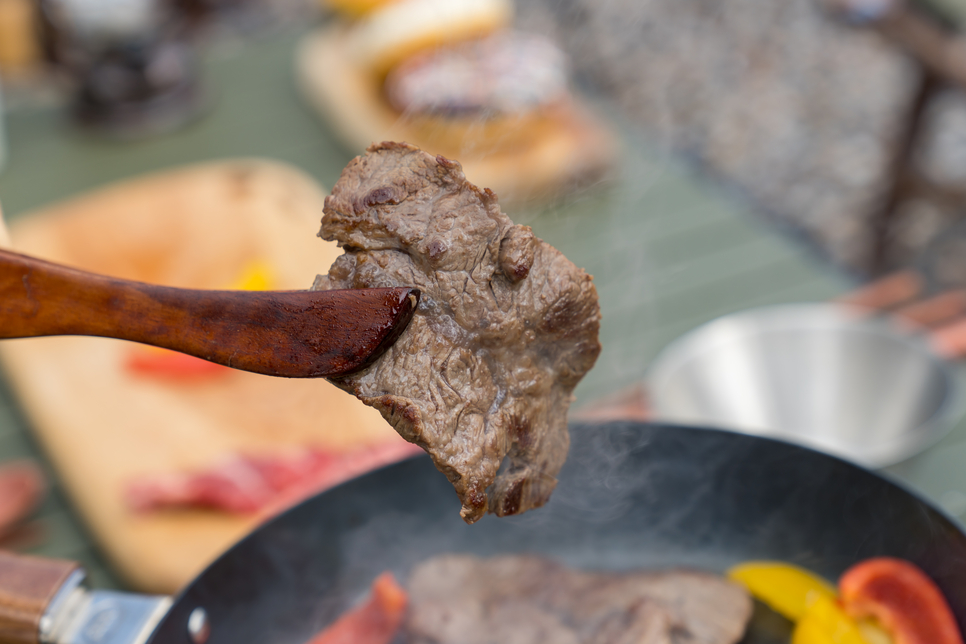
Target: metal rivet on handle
[[198, 626]]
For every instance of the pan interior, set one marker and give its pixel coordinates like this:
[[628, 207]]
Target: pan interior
[[631, 495]]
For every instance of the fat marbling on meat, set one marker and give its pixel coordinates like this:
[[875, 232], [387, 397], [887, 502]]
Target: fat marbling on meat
[[507, 326]]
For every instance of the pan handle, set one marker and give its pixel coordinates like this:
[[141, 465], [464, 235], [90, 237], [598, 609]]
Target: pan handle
[[28, 587]]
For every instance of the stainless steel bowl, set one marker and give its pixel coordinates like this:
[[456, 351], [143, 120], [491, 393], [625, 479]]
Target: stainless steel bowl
[[818, 374]]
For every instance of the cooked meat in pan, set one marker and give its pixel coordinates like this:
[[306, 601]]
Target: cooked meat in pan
[[506, 327], [521, 599]]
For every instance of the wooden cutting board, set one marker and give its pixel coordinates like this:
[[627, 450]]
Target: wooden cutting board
[[103, 426]]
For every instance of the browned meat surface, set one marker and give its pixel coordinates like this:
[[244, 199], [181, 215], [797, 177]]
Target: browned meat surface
[[461, 599], [483, 376], [506, 327]]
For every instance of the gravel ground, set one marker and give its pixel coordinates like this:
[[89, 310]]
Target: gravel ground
[[773, 96]]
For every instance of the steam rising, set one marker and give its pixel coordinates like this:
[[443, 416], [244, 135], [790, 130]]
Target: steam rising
[[605, 483]]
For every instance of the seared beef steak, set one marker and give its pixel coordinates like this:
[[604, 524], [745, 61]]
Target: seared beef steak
[[461, 599], [505, 329]]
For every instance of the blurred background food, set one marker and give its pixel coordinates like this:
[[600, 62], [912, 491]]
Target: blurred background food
[[717, 155], [453, 76], [800, 108], [19, 36]]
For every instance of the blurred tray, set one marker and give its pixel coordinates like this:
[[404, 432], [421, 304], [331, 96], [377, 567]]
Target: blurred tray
[[102, 426]]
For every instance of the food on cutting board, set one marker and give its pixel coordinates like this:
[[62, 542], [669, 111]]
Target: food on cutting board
[[882, 600], [526, 599], [245, 484], [390, 34], [453, 77], [22, 488], [155, 362], [356, 8], [481, 96], [507, 326]]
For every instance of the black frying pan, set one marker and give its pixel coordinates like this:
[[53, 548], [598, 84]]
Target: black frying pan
[[631, 494]]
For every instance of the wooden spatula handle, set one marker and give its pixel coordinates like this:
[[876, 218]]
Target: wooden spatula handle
[[279, 333], [27, 585]]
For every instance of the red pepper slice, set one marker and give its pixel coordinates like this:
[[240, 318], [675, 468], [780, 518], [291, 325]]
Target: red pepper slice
[[171, 364], [153, 361], [21, 490], [902, 598], [376, 621]]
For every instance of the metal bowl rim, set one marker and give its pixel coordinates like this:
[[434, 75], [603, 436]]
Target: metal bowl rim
[[915, 440]]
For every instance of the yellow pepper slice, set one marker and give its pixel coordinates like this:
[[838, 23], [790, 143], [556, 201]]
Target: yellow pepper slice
[[809, 630], [825, 615], [255, 276], [825, 622], [873, 633], [355, 8], [787, 589]]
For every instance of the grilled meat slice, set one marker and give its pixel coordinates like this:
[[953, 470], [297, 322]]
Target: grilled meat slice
[[506, 327]]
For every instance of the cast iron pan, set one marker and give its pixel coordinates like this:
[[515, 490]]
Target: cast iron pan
[[631, 495]]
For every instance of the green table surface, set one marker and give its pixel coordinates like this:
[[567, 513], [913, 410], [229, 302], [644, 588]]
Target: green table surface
[[669, 249], [953, 11]]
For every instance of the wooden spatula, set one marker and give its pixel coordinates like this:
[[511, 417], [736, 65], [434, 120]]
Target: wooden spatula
[[294, 334]]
